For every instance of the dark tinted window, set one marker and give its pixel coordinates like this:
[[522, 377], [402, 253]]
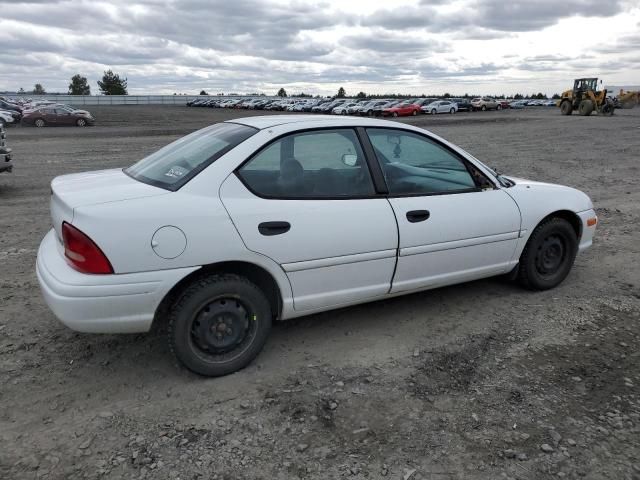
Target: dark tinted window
[[321, 163], [414, 165], [174, 165]]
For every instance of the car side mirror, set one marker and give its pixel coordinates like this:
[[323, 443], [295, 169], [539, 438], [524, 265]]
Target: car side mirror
[[350, 159]]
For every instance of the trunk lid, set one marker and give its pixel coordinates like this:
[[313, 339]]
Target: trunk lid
[[91, 188]]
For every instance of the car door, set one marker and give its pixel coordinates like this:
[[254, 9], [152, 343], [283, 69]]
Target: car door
[[307, 201], [443, 107], [64, 116], [455, 224], [49, 115]]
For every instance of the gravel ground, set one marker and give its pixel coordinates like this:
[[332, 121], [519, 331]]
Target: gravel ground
[[477, 381]]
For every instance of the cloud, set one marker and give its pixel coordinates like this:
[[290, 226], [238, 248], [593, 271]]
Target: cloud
[[248, 45]]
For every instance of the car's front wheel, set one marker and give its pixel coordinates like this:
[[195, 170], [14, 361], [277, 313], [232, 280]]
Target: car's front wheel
[[549, 255], [219, 324], [452, 111], [81, 122], [433, 111]]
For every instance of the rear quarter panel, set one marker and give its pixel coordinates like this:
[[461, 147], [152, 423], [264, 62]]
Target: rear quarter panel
[[124, 231]]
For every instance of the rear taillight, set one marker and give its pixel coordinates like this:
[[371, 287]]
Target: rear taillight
[[81, 253]]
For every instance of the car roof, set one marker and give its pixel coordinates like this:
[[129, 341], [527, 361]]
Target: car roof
[[309, 121]]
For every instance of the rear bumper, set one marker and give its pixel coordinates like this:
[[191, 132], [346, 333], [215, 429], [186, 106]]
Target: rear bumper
[[121, 303]]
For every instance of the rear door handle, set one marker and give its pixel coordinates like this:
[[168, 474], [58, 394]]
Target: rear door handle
[[415, 216], [269, 229]]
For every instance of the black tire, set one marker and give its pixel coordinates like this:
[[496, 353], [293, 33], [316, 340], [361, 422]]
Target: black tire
[[414, 113], [499, 107], [608, 108], [219, 324], [484, 108], [585, 108], [434, 112], [39, 122], [566, 108], [395, 114], [549, 255], [452, 111], [81, 122]]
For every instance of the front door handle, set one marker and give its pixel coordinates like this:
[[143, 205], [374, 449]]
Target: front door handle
[[415, 216], [269, 229]]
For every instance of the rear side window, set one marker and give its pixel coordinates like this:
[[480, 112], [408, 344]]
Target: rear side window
[[316, 164], [177, 163]]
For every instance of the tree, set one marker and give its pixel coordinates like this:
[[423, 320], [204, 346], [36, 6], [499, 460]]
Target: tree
[[341, 93], [361, 95], [518, 96], [21, 91], [202, 92], [282, 93], [556, 96], [38, 89], [447, 95], [112, 84], [79, 85]]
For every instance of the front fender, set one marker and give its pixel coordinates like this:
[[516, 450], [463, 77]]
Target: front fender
[[538, 200]]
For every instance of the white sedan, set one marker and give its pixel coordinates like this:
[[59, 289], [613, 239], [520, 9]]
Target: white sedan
[[440, 106], [6, 117], [269, 218]]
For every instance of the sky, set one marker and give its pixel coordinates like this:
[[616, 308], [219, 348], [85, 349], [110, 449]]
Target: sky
[[241, 46]]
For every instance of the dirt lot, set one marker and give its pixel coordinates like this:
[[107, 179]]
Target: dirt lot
[[477, 381]]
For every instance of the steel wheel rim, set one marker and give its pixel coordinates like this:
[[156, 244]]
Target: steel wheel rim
[[551, 255], [222, 329]]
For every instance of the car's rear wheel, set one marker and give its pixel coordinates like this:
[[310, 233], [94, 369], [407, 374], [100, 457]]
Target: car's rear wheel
[[433, 111], [549, 255], [81, 122], [414, 113], [484, 108], [499, 107], [39, 123], [219, 324], [395, 114], [452, 111]]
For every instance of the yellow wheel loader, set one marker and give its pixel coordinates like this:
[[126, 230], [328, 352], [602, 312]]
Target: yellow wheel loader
[[585, 98]]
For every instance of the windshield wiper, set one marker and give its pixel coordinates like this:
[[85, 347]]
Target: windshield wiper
[[505, 182]]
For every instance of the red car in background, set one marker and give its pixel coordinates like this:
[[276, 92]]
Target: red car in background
[[401, 110]]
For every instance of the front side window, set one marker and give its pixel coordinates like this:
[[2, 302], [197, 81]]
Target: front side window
[[177, 163], [316, 164], [414, 165]]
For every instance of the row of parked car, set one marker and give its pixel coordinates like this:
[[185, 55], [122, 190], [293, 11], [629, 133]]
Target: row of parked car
[[42, 113], [378, 107]]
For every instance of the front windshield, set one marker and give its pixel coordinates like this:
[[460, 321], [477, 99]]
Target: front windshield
[[177, 163]]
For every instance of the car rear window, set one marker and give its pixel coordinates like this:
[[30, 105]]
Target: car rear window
[[177, 163]]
